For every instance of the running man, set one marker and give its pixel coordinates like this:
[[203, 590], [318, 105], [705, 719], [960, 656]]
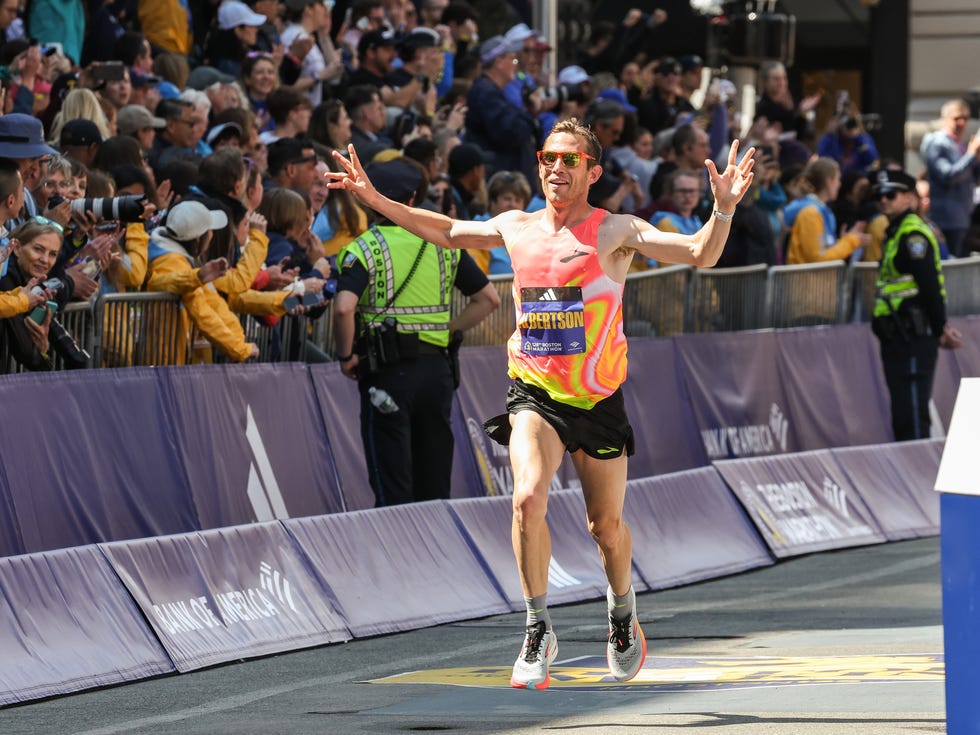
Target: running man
[[567, 359]]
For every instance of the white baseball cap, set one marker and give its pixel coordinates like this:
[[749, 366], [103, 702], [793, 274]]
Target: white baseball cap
[[189, 220], [233, 13]]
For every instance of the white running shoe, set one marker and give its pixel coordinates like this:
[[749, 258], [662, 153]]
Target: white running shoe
[[537, 654], [627, 648]]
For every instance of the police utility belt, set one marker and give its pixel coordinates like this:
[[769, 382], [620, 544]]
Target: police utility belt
[[907, 323], [380, 344]]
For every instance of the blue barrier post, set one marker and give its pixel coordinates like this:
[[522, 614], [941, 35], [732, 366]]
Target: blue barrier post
[[959, 483]]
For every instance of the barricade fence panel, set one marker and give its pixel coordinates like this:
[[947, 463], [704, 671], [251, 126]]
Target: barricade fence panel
[[139, 329], [148, 329], [862, 282], [962, 277], [727, 299], [805, 295], [655, 301], [499, 324]]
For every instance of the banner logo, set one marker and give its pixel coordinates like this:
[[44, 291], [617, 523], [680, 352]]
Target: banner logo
[[228, 607], [263, 489], [749, 440]]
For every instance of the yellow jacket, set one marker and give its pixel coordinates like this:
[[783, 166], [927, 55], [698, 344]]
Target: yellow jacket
[[236, 284], [172, 272], [167, 24], [129, 275], [13, 302], [808, 244], [343, 237]]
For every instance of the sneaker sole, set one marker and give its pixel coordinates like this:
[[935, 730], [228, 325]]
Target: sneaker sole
[[537, 686], [643, 658]]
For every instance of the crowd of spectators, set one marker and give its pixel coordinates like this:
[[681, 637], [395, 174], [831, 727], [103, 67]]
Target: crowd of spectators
[[218, 122]]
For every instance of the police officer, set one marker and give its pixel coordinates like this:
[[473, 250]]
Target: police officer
[[910, 310], [392, 325]]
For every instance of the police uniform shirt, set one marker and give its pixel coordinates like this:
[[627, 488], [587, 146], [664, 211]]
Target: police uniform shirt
[[469, 278], [915, 257]]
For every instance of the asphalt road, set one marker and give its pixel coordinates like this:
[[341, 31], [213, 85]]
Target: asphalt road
[[841, 643]]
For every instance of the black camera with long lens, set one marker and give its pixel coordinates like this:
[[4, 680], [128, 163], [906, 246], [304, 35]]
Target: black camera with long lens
[[64, 344], [123, 209]]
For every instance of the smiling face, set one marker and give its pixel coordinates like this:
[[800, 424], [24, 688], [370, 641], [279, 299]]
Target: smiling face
[[563, 185], [36, 257], [262, 79]]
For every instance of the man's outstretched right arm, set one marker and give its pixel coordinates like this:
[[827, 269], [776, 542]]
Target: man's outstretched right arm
[[435, 227]]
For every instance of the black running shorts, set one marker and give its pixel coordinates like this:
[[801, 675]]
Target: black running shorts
[[602, 431]]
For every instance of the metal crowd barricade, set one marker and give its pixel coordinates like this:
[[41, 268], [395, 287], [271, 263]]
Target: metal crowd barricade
[[806, 295], [962, 278], [728, 299], [654, 301], [79, 321], [139, 329], [499, 324], [862, 291]]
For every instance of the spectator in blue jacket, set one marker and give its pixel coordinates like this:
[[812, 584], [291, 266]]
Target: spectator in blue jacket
[[506, 134], [953, 172], [850, 146]]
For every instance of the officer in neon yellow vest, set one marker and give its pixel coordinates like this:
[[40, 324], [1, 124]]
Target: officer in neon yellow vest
[[392, 326], [910, 310]]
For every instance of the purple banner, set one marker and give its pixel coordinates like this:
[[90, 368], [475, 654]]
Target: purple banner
[[835, 388], [801, 504], [341, 409], [74, 627], [252, 441], [217, 596], [575, 572], [736, 394], [400, 568], [667, 438], [487, 522], [482, 394], [91, 457], [687, 526], [896, 482]]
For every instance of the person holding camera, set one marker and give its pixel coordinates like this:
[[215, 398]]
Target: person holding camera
[[910, 309], [30, 339], [396, 339], [850, 146]]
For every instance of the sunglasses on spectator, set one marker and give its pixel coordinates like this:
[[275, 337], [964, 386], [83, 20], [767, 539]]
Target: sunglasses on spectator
[[889, 195], [48, 222], [570, 159], [259, 55]]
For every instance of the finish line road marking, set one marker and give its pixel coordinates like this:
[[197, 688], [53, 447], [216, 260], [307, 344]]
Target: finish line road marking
[[683, 674]]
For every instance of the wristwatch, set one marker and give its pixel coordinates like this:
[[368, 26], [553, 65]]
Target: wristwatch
[[345, 358], [722, 216]]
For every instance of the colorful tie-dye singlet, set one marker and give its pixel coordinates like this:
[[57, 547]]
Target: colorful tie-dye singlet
[[569, 339]]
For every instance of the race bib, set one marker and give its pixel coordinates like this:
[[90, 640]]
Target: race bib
[[553, 321]]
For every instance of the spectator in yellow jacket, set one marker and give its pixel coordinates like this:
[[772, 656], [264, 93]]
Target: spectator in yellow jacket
[[174, 255], [812, 224]]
